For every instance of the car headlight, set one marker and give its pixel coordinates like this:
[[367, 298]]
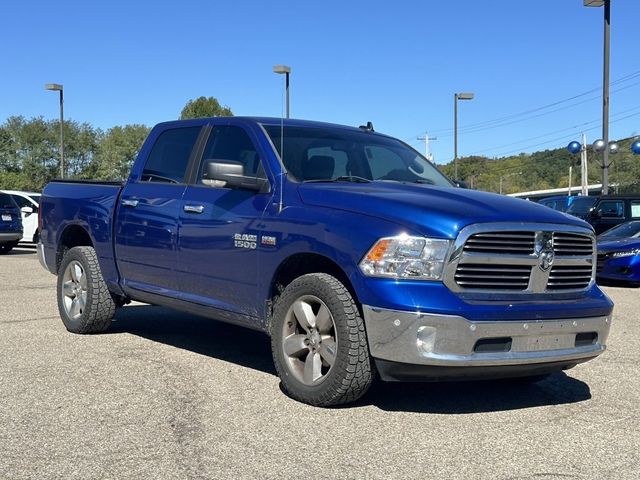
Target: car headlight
[[404, 256], [628, 253]]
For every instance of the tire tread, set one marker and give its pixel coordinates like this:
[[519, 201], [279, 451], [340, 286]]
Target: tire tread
[[357, 375]]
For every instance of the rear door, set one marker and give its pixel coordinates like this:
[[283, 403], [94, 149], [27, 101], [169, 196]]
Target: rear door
[[147, 216], [220, 227]]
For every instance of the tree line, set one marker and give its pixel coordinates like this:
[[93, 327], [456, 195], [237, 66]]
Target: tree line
[[30, 156], [548, 169], [30, 148]]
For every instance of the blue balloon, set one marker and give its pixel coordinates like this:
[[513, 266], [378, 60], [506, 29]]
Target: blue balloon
[[574, 147], [635, 147]]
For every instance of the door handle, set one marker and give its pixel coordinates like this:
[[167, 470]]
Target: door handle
[[193, 208], [129, 203]]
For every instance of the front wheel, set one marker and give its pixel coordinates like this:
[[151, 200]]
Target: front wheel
[[319, 343], [84, 301]]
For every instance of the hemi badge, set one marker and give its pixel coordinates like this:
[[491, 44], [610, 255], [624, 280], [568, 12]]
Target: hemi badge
[[268, 240]]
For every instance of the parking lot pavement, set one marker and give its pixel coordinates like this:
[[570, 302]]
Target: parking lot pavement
[[169, 395]]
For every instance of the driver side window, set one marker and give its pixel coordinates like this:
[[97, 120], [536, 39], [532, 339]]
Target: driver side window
[[232, 144]]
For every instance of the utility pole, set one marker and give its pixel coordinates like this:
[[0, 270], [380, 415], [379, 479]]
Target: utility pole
[[427, 151], [584, 174]]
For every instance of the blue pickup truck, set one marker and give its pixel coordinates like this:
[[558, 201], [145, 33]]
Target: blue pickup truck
[[347, 247]]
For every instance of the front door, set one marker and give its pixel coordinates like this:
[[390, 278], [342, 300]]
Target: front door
[[219, 230]]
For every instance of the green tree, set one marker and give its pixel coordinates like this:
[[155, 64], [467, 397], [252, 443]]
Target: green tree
[[117, 150], [203, 107]]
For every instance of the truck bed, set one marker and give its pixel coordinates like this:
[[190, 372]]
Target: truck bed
[[89, 204]]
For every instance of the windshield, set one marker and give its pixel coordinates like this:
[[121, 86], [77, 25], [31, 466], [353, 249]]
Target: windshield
[[581, 205], [336, 154], [35, 198], [626, 230]]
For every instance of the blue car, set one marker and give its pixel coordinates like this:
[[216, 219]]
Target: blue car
[[619, 254], [10, 223]]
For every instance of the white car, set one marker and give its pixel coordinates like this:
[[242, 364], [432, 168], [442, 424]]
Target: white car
[[29, 204]]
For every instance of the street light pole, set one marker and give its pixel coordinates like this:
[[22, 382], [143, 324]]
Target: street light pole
[[286, 70], [605, 96], [456, 97], [58, 87], [605, 87]]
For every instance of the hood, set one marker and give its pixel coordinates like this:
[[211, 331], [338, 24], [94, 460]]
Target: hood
[[432, 211], [618, 244]]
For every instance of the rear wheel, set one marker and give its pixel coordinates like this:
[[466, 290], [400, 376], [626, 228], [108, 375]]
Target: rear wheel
[[319, 343], [84, 301]]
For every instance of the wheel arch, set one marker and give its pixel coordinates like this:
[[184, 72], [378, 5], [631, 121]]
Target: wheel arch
[[72, 236], [300, 264]]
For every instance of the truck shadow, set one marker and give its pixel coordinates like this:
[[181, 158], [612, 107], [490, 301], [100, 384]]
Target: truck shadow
[[252, 349], [476, 397]]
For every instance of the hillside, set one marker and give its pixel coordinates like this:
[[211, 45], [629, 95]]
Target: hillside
[[546, 169]]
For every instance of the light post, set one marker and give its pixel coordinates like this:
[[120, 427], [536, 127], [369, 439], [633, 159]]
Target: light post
[[58, 87], [506, 176], [456, 97], [605, 87], [286, 70]]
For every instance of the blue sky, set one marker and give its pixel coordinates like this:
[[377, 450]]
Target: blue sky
[[396, 64]]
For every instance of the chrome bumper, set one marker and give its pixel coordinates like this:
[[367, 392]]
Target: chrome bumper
[[10, 237], [41, 259], [453, 341]]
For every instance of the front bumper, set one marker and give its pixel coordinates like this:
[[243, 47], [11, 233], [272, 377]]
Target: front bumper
[[6, 237], [457, 344]]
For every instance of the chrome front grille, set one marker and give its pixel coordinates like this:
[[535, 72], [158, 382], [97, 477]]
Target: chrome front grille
[[507, 258], [566, 243], [492, 277], [505, 242], [571, 277]]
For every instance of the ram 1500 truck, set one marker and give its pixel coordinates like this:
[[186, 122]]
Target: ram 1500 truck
[[346, 246]]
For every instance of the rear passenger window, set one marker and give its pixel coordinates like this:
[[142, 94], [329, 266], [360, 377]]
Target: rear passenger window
[[170, 155], [635, 209], [232, 143]]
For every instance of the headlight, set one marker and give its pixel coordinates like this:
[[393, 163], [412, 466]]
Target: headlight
[[404, 256], [628, 253]]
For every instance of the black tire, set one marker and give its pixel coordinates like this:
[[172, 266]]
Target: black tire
[[7, 247], [94, 313], [352, 371]]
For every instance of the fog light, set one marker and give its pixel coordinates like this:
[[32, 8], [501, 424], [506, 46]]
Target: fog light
[[426, 339]]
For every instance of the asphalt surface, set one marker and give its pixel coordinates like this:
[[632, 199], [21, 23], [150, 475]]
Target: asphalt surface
[[169, 395]]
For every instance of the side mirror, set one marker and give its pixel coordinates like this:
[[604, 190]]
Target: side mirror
[[227, 173], [595, 213], [27, 210], [461, 184]]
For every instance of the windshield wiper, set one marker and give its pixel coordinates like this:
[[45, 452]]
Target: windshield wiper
[[425, 181], [343, 178]]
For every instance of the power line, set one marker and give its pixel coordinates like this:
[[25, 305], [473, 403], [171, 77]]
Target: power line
[[553, 104], [518, 150], [498, 122], [575, 127]]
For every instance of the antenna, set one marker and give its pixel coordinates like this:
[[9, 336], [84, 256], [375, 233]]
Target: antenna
[[368, 127], [280, 204]]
